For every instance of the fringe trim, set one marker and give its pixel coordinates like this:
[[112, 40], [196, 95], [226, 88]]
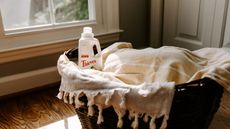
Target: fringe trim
[[73, 98], [152, 124], [146, 118], [100, 118], [120, 114], [90, 105], [135, 122]]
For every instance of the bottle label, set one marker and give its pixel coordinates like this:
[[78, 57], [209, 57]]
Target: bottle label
[[86, 63]]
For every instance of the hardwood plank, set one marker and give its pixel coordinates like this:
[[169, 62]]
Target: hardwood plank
[[33, 110], [221, 119]]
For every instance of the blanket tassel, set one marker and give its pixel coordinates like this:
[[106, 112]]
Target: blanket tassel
[[146, 118], [152, 124], [164, 123], [100, 117], [135, 122]]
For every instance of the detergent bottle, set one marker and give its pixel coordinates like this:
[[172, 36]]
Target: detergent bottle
[[87, 46]]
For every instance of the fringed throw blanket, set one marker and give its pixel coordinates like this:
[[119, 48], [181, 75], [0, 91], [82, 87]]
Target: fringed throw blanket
[[140, 81]]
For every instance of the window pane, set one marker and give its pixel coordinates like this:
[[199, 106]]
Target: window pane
[[17, 14], [24, 13], [71, 10]]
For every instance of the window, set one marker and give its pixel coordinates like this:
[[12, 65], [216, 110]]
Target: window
[[33, 14], [37, 27]]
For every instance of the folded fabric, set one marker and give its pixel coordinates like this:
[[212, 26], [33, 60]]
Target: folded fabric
[[140, 81]]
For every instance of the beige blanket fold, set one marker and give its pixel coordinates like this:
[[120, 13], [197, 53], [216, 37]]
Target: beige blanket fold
[[217, 67], [140, 81]]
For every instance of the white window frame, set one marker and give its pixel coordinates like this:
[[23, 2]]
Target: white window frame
[[15, 45]]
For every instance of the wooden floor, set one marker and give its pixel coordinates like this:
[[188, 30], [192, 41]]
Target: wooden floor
[[42, 110], [222, 117], [34, 110]]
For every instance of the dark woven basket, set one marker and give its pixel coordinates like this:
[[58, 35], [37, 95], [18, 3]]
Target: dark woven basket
[[194, 105]]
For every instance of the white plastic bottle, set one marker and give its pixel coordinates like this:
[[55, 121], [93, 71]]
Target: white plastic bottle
[[86, 57]]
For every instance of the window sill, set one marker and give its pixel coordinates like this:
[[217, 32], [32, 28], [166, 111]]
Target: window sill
[[51, 48]]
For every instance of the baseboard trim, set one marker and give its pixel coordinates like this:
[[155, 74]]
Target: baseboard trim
[[28, 80]]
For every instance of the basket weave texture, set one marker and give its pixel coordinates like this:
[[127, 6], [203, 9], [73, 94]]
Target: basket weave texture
[[194, 105]]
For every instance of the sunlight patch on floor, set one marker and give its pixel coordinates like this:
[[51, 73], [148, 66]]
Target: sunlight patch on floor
[[72, 122]]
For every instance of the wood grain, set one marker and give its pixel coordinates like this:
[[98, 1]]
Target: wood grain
[[33, 110], [222, 117]]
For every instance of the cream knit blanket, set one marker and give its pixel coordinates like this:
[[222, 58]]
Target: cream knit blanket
[[140, 81]]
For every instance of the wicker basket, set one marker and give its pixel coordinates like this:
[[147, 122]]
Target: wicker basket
[[194, 105]]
